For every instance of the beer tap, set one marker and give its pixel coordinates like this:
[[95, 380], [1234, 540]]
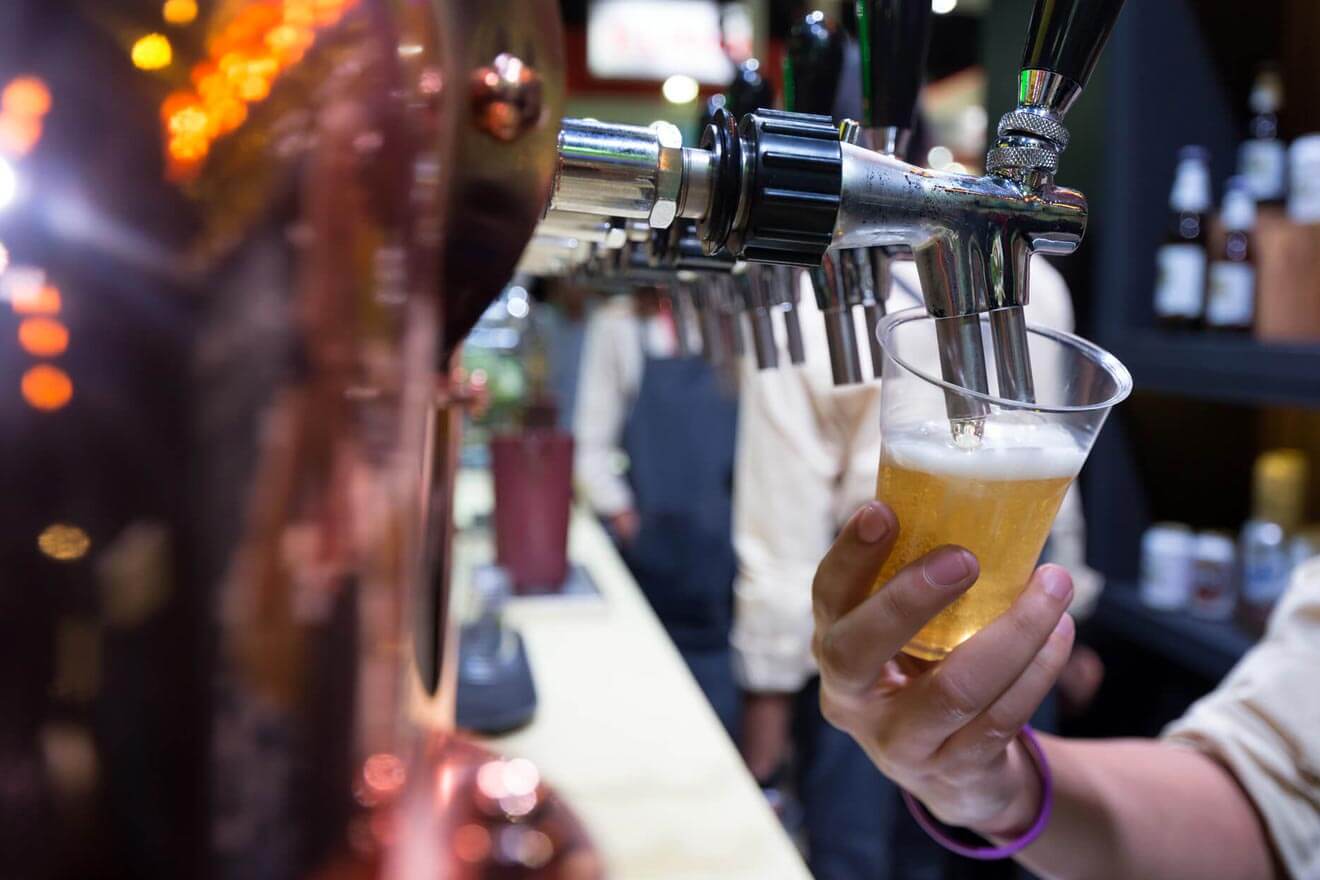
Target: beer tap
[[704, 297], [757, 303], [895, 37], [782, 187], [781, 283], [725, 301], [812, 69], [606, 232], [680, 311]]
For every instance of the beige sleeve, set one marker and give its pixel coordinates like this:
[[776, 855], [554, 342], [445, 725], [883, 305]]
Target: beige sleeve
[[783, 522], [602, 405], [1263, 724]]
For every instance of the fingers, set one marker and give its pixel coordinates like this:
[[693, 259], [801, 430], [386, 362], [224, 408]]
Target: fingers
[[853, 651], [981, 670], [991, 731], [848, 570]]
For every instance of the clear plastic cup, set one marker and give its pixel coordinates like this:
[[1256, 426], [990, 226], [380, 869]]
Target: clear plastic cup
[[996, 494]]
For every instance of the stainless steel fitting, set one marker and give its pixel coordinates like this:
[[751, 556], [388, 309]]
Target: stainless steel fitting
[[630, 171]]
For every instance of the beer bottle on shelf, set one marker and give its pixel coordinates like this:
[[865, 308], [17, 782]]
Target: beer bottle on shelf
[[1262, 158], [1231, 296], [1181, 260], [1278, 504]]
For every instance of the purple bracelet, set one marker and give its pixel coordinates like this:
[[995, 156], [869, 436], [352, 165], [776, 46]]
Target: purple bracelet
[[990, 853]]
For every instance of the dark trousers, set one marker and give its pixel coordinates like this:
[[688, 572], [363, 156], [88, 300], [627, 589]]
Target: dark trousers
[[713, 670]]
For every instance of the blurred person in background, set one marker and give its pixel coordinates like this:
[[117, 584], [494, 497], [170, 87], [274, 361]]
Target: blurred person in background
[[1230, 791], [808, 453], [562, 320], [655, 441]]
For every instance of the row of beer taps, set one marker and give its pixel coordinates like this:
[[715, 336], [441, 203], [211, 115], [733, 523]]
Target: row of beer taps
[[725, 226]]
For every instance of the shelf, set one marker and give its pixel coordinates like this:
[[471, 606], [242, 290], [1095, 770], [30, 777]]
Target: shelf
[[1201, 646], [1221, 368]]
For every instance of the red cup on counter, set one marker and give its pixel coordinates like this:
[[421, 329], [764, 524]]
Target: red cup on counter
[[533, 472]]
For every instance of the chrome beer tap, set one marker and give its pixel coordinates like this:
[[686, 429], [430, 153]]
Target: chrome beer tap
[[895, 36], [756, 301], [679, 297], [782, 290], [812, 67], [782, 187]]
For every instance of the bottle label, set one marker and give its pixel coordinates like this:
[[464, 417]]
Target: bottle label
[[1266, 566], [1304, 195], [1166, 579], [1264, 165], [1180, 280], [1230, 301]]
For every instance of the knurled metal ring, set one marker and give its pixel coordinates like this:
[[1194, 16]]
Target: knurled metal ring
[[1026, 122], [1003, 157]]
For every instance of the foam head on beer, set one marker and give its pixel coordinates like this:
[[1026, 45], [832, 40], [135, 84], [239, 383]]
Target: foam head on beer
[[997, 498]]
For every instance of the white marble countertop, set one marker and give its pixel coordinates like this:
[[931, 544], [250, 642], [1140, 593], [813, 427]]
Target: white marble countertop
[[621, 729]]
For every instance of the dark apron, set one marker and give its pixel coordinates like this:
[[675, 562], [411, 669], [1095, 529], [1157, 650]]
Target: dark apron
[[679, 437]]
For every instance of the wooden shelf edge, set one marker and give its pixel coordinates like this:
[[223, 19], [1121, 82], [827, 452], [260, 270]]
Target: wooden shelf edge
[[1221, 368]]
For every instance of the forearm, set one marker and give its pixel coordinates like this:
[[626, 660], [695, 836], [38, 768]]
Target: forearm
[[1144, 808]]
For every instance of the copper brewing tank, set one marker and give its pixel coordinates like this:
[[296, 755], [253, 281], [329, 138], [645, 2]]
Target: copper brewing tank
[[249, 235]]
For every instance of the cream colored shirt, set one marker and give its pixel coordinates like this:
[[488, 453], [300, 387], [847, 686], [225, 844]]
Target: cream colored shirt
[[1263, 724], [807, 458]]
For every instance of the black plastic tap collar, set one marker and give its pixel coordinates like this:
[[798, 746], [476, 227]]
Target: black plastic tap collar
[[794, 170]]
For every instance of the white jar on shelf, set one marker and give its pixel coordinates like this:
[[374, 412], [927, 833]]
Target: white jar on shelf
[[1168, 561]]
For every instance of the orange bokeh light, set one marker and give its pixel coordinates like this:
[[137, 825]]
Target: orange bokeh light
[[44, 300], [254, 88], [175, 102], [26, 96], [190, 120], [19, 134], [43, 337], [188, 147], [46, 388], [179, 11], [245, 58]]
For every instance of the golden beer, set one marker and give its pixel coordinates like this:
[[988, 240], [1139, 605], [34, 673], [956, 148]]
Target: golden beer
[[998, 500]]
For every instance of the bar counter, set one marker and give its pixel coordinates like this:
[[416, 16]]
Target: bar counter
[[621, 729]]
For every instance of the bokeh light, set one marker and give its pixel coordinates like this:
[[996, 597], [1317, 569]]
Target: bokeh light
[[43, 337], [8, 184], [471, 843], [19, 134], [179, 11], [46, 388], [26, 96], [40, 299], [680, 89], [245, 58], [64, 542], [384, 774], [939, 157], [152, 52]]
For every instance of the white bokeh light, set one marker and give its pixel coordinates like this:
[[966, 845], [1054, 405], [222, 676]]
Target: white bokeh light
[[680, 89], [8, 184]]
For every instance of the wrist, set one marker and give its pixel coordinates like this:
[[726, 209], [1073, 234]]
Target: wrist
[[1025, 789]]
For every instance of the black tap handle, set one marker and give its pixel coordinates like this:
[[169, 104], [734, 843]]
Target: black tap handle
[[1067, 36], [812, 65], [895, 35]]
